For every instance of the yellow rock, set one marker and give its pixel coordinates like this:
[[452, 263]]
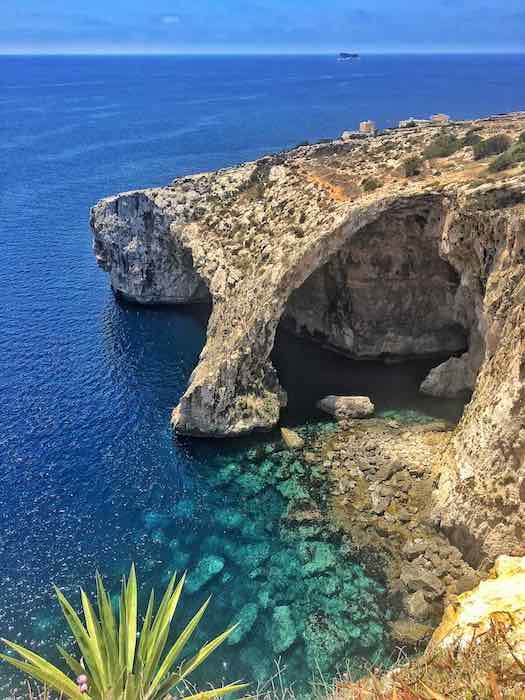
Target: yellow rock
[[499, 598], [292, 439]]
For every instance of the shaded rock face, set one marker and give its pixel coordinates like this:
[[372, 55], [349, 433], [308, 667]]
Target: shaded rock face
[[385, 293], [420, 266]]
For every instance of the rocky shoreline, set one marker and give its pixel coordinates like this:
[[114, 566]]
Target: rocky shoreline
[[380, 475]]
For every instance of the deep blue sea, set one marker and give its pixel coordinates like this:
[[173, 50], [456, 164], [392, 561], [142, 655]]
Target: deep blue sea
[[90, 474]]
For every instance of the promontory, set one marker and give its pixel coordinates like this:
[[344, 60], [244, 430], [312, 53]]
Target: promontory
[[406, 244]]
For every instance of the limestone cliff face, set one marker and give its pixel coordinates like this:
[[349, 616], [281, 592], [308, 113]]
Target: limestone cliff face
[[501, 598], [481, 495], [386, 292], [421, 266], [145, 265]]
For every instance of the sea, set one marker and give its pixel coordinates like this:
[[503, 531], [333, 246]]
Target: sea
[[91, 476]]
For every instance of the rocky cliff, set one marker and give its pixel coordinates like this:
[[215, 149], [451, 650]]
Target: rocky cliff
[[337, 242]]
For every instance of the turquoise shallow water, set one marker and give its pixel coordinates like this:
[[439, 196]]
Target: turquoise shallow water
[[90, 474]]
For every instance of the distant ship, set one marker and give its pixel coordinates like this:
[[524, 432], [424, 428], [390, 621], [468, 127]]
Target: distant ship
[[347, 56]]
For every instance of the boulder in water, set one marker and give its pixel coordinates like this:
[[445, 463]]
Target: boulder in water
[[247, 617], [347, 406], [284, 632]]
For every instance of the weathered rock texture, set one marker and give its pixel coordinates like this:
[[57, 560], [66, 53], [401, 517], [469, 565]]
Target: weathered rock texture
[[501, 598], [478, 650], [431, 265], [347, 406]]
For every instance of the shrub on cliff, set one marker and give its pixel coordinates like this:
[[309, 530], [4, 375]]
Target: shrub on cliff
[[513, 155], [471, 138], [442, 146], [370, 184], [491, 146], [412, 166], [118, 662]]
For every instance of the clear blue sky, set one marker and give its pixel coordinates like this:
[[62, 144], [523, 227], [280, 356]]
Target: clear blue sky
[[261, 25]]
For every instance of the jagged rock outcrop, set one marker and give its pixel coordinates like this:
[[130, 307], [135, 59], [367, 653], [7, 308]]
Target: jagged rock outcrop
[[424, 266], [145, 265]]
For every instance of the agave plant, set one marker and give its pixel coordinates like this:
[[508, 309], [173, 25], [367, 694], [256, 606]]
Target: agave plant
[[116, 662]]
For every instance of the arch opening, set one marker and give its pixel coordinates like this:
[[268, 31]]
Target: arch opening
[[387, 297]]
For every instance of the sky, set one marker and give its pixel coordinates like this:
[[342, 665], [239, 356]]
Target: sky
[[261, 26]]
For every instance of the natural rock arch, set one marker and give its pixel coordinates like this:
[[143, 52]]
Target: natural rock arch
[[234, 388]]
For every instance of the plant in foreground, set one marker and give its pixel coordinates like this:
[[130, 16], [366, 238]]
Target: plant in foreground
[[117, 662]]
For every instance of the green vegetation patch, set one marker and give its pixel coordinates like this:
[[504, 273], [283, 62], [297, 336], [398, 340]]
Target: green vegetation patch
[[492, 146], [512, 156], [472, 138], [370, 184], [442, 146]]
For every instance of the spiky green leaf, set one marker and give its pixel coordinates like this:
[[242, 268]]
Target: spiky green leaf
[[131, 619], [73, 664], [46, 673], [81, 637]]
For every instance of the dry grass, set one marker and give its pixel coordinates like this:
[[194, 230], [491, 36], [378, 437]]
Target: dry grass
[[489, 668]]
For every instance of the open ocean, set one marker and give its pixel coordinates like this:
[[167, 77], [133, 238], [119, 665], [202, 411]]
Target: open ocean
[[90, 474]]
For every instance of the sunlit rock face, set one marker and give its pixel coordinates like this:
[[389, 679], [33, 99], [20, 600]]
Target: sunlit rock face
[[500, 598], [385, 293]]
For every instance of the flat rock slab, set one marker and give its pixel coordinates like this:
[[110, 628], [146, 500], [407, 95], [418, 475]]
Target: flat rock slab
[[347, 406]]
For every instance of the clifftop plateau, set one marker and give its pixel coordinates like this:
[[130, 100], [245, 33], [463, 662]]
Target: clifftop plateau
[[393, 246]]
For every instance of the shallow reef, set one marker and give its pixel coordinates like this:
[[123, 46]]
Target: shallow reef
[[277, 565], [252, 529]]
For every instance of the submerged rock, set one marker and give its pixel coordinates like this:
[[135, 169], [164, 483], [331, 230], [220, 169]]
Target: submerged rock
[[153, 520], [251, 484], [347, 406], [317, 557], [204, 572], [246, 620], [251, 556], [284, 632], [179, 558], [229, 519], [293, 491]]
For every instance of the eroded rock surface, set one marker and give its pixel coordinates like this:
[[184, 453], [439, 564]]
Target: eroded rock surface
[[347, 406], [431, 265]]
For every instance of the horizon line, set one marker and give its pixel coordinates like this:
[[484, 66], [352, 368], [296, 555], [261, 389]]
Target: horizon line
[[335, 52]]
